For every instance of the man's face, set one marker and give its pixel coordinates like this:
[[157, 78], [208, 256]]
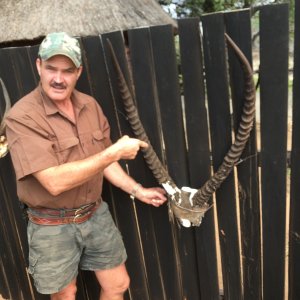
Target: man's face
[[58, 77]]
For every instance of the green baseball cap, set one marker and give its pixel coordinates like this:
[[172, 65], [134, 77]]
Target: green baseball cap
[[60, 43]]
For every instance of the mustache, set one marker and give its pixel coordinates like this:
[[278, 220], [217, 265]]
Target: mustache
[[58, 85]]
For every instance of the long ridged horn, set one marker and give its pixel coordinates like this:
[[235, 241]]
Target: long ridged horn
[[204, 194], [3, 141], [152, 160]]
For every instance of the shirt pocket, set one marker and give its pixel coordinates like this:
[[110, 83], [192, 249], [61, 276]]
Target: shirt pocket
[[98, 141], [32, 264], [64, 148]]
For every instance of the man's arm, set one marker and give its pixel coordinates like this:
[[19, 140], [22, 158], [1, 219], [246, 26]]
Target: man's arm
[[118, 177], [64, 177]]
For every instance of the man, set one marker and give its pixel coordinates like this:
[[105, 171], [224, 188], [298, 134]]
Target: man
[[60, 147]]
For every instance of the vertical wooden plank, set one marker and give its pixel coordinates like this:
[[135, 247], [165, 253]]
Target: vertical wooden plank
[[170, 103], [294, 250], [141, 57], [274, 90], [33, 55], [99, 80], [8, 75], [88, 286], [117, 40], [166, 75], [100, 89], [13, 276], [84, 82], [4, 286], [13, 62], [14, 231], [220, 130], [198, 149], [23, 70], [238, 27], [146, 226], [124, 209], [161, 263]]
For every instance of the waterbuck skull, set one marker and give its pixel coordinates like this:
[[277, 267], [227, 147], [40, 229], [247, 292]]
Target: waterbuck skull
[[186, 204], [3, 141]]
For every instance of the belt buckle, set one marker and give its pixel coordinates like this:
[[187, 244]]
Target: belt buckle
[[75, 217], [82, 208], [77, 214], [78, 210]]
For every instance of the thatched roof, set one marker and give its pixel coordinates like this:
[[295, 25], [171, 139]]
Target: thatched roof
[[32, 19]]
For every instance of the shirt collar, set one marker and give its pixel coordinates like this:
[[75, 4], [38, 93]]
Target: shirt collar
[[50, 108]]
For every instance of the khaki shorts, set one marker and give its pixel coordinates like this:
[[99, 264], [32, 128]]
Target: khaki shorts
[[56, 252]]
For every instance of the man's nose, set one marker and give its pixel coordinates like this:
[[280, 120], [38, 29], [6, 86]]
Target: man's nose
[[58, 77]]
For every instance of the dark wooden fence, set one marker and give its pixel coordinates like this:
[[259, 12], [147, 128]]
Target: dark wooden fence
[[240, 250]]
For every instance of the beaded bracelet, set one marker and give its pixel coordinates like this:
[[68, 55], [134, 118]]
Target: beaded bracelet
[[134, 191]]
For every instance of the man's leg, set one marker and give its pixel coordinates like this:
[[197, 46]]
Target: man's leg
[[68, 293], [54, 273], [114, 282]]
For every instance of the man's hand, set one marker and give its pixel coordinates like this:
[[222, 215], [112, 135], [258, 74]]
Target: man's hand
[[127, 148], [154, 196]]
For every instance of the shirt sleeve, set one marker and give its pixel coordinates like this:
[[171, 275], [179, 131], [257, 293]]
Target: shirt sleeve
[[30, 148], [104, 125]]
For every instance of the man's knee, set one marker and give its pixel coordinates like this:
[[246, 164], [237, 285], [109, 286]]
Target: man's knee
[[119, 286], [113, 282], [125, 283]]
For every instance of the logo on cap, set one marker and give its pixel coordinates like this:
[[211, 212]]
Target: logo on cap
[[60, 43]]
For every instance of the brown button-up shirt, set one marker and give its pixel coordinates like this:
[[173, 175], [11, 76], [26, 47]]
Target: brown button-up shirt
[[41, 136]]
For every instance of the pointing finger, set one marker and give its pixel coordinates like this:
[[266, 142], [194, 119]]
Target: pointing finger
[[143, 144]]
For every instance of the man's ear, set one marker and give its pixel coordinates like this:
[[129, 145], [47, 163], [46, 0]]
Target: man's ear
[[79, 71], [38, 65]]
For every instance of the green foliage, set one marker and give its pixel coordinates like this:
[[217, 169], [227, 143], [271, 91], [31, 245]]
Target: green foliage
[[192, 8]]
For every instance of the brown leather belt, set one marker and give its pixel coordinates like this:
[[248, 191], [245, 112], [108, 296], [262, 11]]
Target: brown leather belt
[[47, 216]]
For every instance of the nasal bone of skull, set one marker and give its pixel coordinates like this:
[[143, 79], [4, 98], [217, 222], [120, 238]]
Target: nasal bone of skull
[[189, 192], [186, 214]]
